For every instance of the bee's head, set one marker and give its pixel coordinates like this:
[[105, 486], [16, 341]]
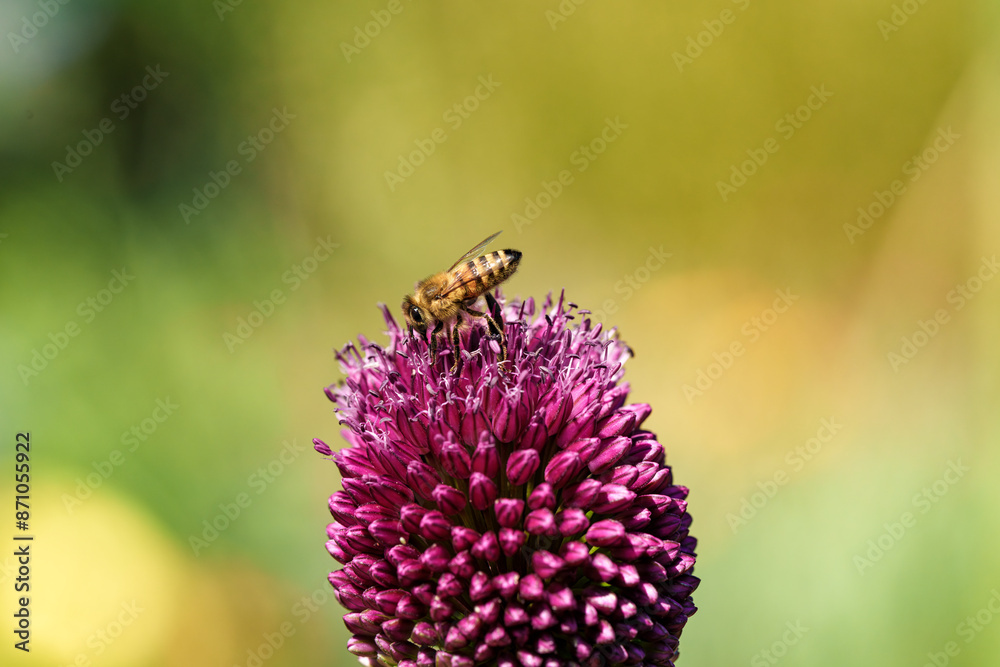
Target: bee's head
[[415, 316]]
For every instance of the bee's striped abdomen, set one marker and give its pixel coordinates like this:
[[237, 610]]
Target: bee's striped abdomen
[[485, 272], [498, 266]]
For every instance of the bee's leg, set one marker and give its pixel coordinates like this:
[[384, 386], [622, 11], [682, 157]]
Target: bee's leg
[[434, 340], [494, 329], [500, 335], [495, 311], [455, 344], [495, 324]]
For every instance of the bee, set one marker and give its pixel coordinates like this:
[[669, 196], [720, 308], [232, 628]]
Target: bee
[[444, 297]]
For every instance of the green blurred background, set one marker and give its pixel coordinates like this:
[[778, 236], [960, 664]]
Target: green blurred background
[[695, 90]]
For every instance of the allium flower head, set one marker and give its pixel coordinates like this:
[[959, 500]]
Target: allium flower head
[[513, 514]]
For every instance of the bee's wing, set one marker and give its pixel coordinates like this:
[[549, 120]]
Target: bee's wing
[[459, 277], [472, 253]]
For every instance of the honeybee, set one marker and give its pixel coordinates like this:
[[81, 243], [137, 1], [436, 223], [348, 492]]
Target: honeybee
[[443, 297]]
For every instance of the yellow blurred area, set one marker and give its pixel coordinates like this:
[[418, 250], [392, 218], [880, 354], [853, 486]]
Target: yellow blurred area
[[114, 574], [789, 211], [112, 588]]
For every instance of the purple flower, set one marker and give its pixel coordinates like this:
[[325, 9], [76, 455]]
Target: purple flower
[[512, 514]]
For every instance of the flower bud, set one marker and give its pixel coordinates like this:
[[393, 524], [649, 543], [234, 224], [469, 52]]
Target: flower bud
[[521, 465]]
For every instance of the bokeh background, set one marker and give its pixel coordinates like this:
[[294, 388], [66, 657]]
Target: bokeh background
[[309, 233]]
